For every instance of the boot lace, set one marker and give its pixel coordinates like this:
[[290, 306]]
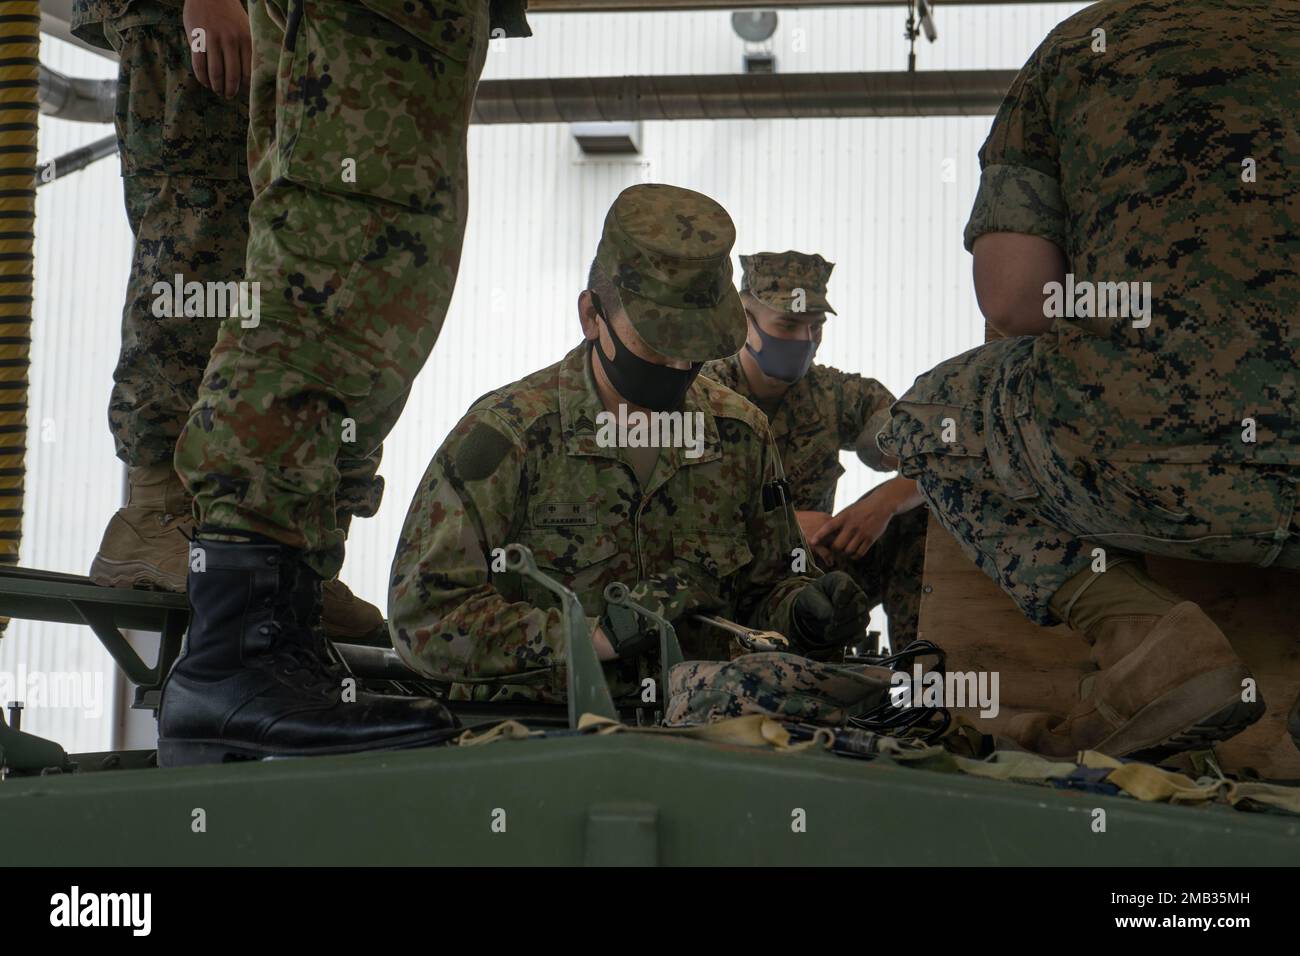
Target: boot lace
[[298, 661]]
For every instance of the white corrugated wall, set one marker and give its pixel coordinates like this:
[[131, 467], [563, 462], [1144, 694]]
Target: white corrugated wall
[[869, 194]]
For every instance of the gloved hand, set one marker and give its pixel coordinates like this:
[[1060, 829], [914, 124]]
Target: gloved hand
[[828, 614]]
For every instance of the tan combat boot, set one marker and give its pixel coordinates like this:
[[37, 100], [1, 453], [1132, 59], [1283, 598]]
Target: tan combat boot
[[1165, 684], [347, 618], [146, 544]]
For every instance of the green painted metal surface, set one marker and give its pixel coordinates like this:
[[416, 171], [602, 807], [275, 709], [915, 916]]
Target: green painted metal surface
[[619, 799]]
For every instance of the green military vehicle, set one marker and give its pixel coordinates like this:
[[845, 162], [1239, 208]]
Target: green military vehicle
[[593, 784]]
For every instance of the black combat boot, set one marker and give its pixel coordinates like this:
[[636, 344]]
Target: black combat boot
[[250, 682]]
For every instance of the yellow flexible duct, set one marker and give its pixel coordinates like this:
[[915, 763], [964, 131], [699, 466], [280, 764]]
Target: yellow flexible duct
[[20, 33]]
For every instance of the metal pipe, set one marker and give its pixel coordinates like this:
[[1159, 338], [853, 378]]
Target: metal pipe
[[74, 98], [602, 99], [76, 159], [375, 663], [741, 96]]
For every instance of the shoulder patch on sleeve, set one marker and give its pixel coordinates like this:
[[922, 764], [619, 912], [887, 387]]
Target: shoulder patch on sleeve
[[481, 451]]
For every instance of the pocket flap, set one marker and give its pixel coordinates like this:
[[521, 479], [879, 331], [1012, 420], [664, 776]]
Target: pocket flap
[[720, 554]]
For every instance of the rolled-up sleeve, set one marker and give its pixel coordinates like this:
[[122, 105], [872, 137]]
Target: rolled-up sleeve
[[1020, 183]]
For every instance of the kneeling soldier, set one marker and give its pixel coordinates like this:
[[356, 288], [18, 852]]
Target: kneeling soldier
[[815, 412], [562, 463]]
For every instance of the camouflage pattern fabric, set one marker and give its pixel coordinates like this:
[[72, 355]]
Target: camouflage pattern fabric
[[673, 271], [185, 179], [1030, 513], [94, 20], [1100, 433], [822, 413], [776, 278], [90, 17], [355, 239], [784, 686], [524, 465], [1170, 158]]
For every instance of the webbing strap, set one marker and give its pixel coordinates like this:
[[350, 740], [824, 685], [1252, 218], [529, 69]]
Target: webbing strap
[[1138, 780], [752, 730]]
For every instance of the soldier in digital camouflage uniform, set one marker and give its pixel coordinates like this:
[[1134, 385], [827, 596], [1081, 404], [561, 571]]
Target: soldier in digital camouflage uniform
[[185, 177], [815, 412], [357, 134], [528, 463], [1161, 151]]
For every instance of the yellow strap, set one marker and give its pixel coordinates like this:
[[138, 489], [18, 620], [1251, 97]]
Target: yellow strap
[[506, 730], [1151, 783], [752, 730], [1015, 765]]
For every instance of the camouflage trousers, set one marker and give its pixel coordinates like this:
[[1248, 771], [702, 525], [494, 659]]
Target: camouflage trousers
[[357, 157], [1032, 512], [185, 177], [890, 574], [185, 181]]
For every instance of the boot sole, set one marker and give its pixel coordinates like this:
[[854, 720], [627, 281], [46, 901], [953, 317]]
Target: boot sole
[[188, 753], [132, 574], [1157, 731]]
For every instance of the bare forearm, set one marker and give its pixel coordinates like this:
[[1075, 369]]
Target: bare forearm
[[901, 494]]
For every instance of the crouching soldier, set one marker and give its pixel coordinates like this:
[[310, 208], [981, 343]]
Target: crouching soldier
[[815, 412], [1162, 422], [560, 463]]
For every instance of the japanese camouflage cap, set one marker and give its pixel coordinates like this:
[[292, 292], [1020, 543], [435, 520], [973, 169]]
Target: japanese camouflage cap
[[668, 252], [773, 277]]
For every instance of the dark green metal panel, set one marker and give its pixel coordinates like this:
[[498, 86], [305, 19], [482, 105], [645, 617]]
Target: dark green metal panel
[[623, 798]]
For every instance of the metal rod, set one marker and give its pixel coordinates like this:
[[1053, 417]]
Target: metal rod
[[76, 159]]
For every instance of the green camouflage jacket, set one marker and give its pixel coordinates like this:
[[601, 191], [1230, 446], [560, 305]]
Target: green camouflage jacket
[[526, 465], [443, 24], [1154, 141], [822, 413]]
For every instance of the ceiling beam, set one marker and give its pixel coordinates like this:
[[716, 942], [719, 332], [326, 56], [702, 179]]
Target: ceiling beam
[[626, 6], [741, 96]]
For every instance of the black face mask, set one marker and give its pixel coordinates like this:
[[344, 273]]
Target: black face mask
[[656, 387], [786, 360]]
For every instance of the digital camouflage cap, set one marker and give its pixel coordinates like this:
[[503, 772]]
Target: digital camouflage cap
[[774, 278], [668, 252]]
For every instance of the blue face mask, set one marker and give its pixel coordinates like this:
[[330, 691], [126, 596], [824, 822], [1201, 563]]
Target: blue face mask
[[786, 360]]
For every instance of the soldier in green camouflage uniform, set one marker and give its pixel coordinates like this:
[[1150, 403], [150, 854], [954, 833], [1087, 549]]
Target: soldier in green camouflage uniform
[[358, 119], [1144, 141], [185, 179], [688, 530], [816, 416]]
